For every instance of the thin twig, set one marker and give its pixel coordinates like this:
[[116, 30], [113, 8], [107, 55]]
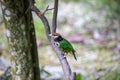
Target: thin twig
[[47, 9]]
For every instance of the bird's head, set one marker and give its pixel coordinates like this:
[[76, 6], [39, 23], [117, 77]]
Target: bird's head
[[56, 36]]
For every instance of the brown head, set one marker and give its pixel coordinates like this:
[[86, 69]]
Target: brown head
[[57, 37], [56, 34]]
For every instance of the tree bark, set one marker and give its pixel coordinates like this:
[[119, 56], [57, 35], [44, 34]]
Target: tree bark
[[22, 41]]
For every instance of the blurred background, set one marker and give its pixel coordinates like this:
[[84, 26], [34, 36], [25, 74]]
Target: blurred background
[[93, 28]]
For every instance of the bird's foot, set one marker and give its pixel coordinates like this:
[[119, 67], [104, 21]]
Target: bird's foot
[[64, 57]]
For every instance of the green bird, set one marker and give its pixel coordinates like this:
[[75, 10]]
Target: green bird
[[63, 44]]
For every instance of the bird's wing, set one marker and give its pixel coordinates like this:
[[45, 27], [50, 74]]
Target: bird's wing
[[65, 45]]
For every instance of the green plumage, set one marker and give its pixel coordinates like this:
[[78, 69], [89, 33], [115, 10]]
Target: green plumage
[[66, 47], [63, 44]]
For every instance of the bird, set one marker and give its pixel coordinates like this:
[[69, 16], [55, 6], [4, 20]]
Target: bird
[[64, 45]]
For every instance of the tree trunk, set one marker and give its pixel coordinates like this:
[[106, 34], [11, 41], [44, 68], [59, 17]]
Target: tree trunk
[[21, 37]]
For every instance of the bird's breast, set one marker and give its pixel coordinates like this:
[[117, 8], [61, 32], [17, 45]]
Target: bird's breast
[[57, 44]]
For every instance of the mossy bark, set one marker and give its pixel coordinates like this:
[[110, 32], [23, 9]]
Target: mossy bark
[[22, 42]]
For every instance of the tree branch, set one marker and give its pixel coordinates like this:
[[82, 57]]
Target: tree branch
[[54, 20], [65, 66], [47, 9], [42, 17]]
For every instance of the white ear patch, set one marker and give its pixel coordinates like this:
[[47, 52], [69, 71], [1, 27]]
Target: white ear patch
[[55, 37], [50, 34], [56, 44]]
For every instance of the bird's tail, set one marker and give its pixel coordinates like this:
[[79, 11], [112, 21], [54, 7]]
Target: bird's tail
[[74, 56]]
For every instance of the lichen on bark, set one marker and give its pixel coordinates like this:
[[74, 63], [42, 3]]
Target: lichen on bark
[[19, 27]]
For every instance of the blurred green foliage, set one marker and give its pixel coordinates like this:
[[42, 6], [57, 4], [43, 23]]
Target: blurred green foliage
[[40, 31], [112, 5], [113, 75], [70, 0], [41, 3], [78, 77]]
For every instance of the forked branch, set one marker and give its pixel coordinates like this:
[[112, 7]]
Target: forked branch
[[47, 9], [65, 66]]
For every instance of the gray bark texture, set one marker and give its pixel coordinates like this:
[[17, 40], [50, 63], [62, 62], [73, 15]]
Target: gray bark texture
[[22, 41]]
